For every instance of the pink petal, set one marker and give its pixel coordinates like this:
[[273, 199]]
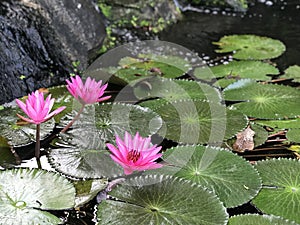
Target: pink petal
[[26, 119], [116, 152], [104, 98], [127, 170], [21, 105]]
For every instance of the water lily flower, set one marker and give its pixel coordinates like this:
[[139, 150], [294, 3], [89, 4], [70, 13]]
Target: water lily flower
[[135, 153], [88, 93], [37, 108]]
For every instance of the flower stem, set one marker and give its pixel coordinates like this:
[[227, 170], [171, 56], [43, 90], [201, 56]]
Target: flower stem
[[73, 120], [38, 146]]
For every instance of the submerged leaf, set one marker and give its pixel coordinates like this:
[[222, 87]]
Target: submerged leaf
[[250, 47], [7, 158], [161, 200]]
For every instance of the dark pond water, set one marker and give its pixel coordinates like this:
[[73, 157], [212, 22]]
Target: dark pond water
[[275, 19]]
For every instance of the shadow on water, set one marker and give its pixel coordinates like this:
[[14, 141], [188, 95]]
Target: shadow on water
[[279, 21]]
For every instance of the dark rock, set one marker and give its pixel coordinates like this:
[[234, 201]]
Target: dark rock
[[40, 39]]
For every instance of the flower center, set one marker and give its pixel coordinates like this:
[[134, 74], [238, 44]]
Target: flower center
[[133, 155]]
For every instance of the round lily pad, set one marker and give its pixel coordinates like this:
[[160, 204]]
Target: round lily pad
[[256, 70], [197, 121], [250, 47], [161, 200], [18, 132], [293, 135], [231, 177], [292, 72], [281, 188], [250, 219], [25, 194], [171, 90], [266, 101]]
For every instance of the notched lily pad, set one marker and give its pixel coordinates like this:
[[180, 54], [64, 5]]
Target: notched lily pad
[[199, 122], [25, 194], [266, 101], [232, 178], [281, 188], [250, 47], [156, 199]]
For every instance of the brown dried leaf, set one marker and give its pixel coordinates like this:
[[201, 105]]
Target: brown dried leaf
[[244, 140]]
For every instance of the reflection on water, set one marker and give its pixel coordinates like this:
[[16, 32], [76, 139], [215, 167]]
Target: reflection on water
[[276, 19]]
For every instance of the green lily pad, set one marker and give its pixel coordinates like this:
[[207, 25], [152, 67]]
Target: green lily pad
[[250, 219], [293, 135], [292, 72], [172, 90], [224, 82], [265, 101], [161, 200], [25, 194], [261, 135], [134, 69], [280, 194], [99, 124], [84, 163], [86, 190], [237, 70], [231, 177], [199, 122], [280, 124], [19, 133], [250, 47]]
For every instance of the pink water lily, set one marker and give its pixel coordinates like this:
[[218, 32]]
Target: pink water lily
[[88, 93], [135, 153], [37, 108]]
